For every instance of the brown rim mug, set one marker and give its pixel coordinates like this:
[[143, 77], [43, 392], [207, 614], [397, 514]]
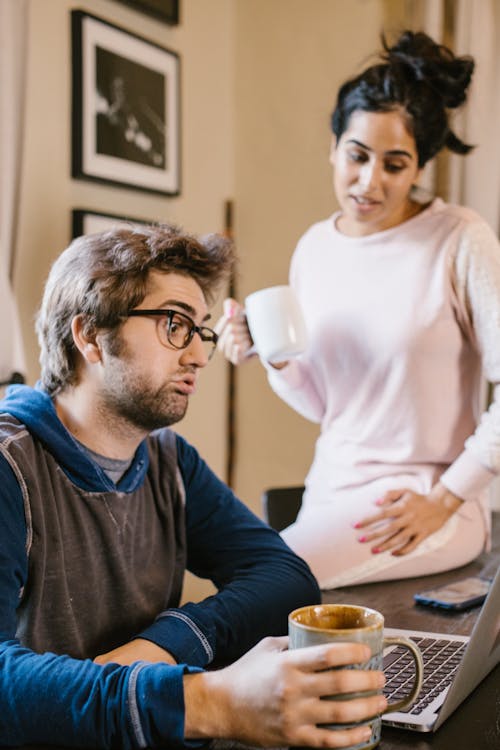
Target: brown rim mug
[[334, 623]]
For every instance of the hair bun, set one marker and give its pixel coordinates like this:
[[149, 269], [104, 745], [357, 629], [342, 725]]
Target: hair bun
[[432, 64]]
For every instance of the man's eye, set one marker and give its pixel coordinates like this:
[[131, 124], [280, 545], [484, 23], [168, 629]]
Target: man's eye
[[179, 325]]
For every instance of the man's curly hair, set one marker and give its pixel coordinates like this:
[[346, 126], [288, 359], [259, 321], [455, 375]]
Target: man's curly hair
[[103, 276]]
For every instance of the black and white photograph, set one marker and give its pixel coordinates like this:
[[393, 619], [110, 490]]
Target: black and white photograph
[[125, 108], [163, 10], [87, 221]]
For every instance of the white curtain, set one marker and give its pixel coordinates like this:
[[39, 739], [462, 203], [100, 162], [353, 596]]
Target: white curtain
[[475, 180], [472, 27], [13, 48]]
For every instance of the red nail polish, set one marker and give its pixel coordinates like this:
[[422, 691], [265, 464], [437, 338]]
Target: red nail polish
[[362, 539], [376, 550], [356, 525]]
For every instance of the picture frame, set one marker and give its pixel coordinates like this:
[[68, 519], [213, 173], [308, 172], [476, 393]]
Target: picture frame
[[163, 10], [88, 221], [125, 108]]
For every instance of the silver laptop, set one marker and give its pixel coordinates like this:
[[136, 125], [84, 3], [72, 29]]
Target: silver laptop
[[453, 666]]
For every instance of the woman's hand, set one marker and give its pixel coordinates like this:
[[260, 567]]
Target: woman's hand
[[407, 518], [235, 341]]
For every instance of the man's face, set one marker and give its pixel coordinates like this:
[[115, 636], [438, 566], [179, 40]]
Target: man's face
[[144, 381]]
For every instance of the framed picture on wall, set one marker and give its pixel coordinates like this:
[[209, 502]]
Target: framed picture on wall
[[88, 222], [126, 108], [162, 10]]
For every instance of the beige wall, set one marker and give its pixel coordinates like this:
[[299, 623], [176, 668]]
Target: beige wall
[[258, 83], [291, 58], [49, 193]]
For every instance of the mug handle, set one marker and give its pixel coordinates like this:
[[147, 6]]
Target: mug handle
[[404, 703]]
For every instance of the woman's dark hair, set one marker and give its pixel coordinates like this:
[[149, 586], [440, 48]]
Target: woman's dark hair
[[418, 76]]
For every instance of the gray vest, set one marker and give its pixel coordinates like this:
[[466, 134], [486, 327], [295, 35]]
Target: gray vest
[[102, 565]]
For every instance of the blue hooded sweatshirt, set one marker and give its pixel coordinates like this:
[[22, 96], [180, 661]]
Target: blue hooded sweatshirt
[[53, 698]]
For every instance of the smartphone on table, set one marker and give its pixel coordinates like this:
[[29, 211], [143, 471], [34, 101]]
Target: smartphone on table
[[456, 595]]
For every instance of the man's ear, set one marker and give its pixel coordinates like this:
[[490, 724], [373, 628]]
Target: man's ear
[[85, 339]]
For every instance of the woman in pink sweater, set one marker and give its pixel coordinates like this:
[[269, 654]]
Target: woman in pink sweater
[[401, 300]]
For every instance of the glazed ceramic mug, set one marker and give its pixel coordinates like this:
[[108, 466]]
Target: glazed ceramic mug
[[276, 323], [334, 623]]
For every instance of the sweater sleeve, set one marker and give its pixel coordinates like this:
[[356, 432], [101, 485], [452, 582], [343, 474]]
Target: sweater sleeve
[[476, 284], [51, 699], [259, 579], [295, 383]]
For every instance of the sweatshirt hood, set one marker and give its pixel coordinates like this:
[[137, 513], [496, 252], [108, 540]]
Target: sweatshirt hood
[[34, 408]]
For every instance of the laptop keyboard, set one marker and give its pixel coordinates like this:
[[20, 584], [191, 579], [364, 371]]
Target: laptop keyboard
[[441, 659]]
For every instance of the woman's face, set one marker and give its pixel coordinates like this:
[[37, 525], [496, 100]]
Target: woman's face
[[375, 164]]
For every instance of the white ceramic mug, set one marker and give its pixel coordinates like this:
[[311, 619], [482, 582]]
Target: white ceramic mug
[[276, 323]]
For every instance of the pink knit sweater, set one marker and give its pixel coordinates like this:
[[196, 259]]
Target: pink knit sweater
[[400, 323]]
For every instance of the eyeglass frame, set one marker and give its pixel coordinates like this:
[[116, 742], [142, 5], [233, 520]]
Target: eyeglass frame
[[169, 314]]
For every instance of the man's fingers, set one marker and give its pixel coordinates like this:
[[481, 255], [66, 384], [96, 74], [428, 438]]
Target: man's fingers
[[317, 658], [272, 644], [342, 682], [326, 656], [346, 711], [338, 738], [316, 714]]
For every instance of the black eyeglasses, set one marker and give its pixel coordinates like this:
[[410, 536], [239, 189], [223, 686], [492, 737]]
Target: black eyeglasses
[[177, 329]]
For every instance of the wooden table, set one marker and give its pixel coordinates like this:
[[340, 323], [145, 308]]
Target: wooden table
[[475, 725]]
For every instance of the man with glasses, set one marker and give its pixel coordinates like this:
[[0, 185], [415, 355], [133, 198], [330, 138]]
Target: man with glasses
[[103, 509]]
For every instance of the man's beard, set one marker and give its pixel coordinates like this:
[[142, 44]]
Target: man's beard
[[141, 406], [128, 396]]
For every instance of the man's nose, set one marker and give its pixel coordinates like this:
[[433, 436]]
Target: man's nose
[[196, 352]]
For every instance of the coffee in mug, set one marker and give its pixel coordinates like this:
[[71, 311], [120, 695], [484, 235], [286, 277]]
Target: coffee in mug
[[334, 623], [276, 323]]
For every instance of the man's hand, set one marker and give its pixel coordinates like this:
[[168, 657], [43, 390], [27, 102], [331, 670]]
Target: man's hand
[[272, 697], [137, 650], [407, 518]]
